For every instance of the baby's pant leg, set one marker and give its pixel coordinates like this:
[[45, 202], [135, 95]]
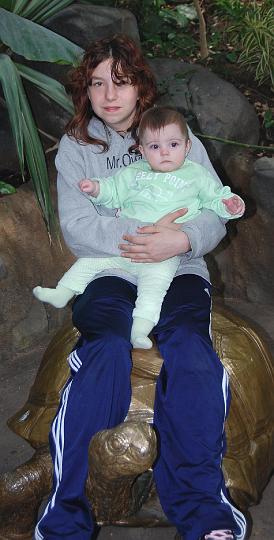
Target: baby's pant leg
[[84, 270], [76, 279], [153, 281]]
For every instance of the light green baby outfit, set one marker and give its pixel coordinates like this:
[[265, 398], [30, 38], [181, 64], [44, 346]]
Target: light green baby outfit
[[147, 195]]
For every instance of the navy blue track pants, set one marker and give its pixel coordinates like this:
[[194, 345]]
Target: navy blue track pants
[[191, 404]]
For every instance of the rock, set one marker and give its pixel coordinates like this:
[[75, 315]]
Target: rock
[[238, 170], [242, 267], [3, 268], [31, 329], [215, 106], [28, 260], [264, 167], [82, 23], [262, 184]]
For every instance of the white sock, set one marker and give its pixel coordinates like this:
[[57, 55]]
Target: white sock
[[139, 333], [58, 297]]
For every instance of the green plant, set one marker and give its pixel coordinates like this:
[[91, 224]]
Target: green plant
[[268, 119], [163, 25], [164, 29], [6, 189], [28, 38], [232, 9], [251, 27]]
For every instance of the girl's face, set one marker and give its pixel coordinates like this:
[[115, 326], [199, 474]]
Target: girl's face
[[115, 103]]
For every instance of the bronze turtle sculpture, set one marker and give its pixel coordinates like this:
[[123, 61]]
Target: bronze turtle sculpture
[[120, 485]]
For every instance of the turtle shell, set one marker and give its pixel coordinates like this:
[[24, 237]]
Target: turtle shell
[[250, 426]]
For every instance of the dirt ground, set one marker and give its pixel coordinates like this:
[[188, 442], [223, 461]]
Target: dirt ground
[[16, 376]]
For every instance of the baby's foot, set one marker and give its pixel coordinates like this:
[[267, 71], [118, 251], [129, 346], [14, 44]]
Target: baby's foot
[[57, 298], [139, 333], [141, 342]]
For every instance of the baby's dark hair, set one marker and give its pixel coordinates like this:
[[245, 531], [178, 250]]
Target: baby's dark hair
[[157, 118]]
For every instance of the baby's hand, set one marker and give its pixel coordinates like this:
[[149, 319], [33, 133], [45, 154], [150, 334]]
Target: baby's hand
[[234, 205], [86, 185], [89, 186]]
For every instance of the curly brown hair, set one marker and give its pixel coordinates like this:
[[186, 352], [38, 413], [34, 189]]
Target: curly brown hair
[[127, 61]]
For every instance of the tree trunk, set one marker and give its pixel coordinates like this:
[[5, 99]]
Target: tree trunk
[[202, 30]]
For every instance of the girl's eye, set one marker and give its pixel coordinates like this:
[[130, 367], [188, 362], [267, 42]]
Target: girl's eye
[[174, 144], [122, 82], [97, 83]]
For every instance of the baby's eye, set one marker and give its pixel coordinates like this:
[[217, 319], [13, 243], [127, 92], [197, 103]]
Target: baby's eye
[[154, 147], [174, 144]]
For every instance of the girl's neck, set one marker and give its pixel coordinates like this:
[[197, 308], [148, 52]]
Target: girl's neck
[[109, 130], [122, 132]]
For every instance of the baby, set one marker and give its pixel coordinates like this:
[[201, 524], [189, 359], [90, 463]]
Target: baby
[[147, 190]]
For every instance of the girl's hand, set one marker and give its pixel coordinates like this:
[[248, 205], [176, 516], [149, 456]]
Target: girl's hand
[[155, 243], [234, 205], [169, 220]]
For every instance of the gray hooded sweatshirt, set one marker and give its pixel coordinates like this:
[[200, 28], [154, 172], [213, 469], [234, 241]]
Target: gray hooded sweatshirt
[[96, 231]]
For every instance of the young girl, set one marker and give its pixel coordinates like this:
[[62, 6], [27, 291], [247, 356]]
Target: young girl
[[148, 190], [111, 88]]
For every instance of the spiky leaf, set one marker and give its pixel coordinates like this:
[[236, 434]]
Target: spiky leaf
[[48, 86], [35, 42], [40, 10], [26, 136]]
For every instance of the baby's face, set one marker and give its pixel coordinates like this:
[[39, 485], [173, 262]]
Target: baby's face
[[166, 149]]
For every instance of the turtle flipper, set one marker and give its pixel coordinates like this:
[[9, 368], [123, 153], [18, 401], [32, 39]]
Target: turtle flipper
[[21, 493]]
